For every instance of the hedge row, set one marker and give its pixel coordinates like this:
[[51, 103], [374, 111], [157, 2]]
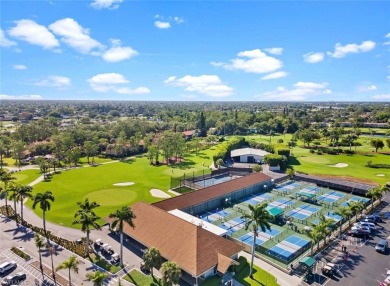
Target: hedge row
[[73, 246], [227, 146], [20, 253], [379, 166]]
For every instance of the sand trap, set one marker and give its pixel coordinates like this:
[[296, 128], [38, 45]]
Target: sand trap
[[339, 165], [123, 184], [159, 194], [380, 175]]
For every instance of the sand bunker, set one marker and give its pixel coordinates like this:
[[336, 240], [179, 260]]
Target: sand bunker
[[159, 194], [339, 165], [380, 175], [124, 184]]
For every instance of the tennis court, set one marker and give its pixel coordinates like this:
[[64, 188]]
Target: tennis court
[[215, 180], [282, 203], [335, 217], [216, 215], [302, 212], [355, 199], [288, 249], [261, 236], [331, 197], [255, 200], [310, 189]]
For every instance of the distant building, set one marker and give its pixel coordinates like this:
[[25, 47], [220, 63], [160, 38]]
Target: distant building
[[188, 135], [248, 155]]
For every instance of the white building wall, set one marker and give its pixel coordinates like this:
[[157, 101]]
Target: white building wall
[[244, 158]]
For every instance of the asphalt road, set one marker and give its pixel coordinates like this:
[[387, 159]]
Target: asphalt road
[[365, 266]]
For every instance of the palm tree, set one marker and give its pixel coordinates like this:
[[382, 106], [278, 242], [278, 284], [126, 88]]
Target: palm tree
[[257, 218], [43, 199], [121, 216], [353, 207], [52, 251], [152, 259], [24, 192], [324, 226], [97, 277], [315, 237], [39, 243], [71, 264], [345, 213], [88, 219], [360, 206], [6, 177], [13, 189], [171, 273], [375, 193]]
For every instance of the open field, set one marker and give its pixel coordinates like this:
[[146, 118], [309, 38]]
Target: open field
[[97, 184]]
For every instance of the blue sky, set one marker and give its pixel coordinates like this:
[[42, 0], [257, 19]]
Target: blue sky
[[195, 50]]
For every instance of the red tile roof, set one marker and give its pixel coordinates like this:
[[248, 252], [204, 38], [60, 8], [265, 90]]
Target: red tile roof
[[194, 249]]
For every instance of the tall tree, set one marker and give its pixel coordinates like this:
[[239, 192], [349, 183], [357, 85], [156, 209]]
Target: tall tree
[[6, 178], [23, 193], [171, 273], [202, 125], [88, 219], [122, 216], [152, 259], [345, 213], [39, 243], [258, 217], [72, 263], [377, 144], [43, 199]]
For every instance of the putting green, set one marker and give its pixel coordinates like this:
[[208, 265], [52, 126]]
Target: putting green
[[111, 197], [315, 159]]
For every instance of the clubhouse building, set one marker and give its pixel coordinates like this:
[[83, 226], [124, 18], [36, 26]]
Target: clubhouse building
[[172, 226]]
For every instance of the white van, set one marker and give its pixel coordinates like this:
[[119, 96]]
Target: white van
[[7, 266]]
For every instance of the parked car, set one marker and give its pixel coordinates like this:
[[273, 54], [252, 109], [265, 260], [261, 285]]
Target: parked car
[[375, 217], [368, 224], [7, 266], [382, 246], [115, 259], [357, 233], [362, 229], [14, 279], [371, 220]]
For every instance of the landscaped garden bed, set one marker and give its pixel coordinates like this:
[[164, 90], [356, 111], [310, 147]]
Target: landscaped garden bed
[[20, 253], [138, 278]]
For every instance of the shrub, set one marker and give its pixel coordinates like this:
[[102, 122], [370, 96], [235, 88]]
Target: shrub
[[283, 151], [20, 253], [256, 168], [378, 166], [319, 152], [349, 152], [316, 143], [312, 151]]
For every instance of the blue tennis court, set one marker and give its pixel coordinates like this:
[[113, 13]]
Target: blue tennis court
[[281, 203], [336, 218], [248, 239], [297, 241], [331, 197], [303, 212], [213, 216], [289, 185], [355, 199], [286, 249]]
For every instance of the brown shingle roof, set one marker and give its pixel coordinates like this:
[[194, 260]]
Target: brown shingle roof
[[224, 263], [206, 194], [193, 248]]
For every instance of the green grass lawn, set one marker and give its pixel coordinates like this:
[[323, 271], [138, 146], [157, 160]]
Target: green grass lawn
[[26, 176], [140, 279], [105, 264], [260, 276], [96, 184]]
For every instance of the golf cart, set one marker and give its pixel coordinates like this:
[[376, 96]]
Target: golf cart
[[329, 269]]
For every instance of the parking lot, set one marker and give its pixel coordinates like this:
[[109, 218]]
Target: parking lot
[[362, 266], [33, 274]]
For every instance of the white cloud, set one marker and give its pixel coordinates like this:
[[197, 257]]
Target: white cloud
[[274, 75], [118, 53], [367, 88], [106, 4], [210, 85], [381, 96], [20, 67], [55, 81], [33, 33], [387, 35], [4, 42], [75, 35], [254, 61], [341, 51], [275, 51], [20, 97], [114, 82], [162, 25], [300, 91], [178, 20], [313, 57]]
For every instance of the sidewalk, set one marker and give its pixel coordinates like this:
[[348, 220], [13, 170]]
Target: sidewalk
[[283, 278]]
